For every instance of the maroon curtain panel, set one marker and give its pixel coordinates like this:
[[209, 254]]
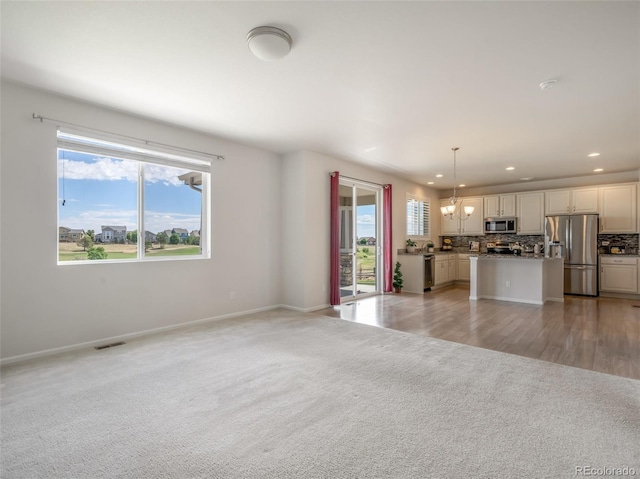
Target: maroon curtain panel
[[386, 222], [334, 255]]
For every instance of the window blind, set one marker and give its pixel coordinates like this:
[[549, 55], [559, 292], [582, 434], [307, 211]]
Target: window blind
[[418, 216]]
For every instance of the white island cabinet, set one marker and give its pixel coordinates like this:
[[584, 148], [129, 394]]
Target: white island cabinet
[[523, 279]]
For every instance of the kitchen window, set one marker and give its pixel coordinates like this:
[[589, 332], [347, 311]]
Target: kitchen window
[[120, 203], [418, 217]]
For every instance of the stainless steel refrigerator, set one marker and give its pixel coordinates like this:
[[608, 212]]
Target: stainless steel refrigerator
[[575, 238]]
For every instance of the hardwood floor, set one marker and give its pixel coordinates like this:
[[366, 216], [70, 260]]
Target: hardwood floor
[[601, 334]]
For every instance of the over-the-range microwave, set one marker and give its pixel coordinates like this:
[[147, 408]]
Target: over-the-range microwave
[[500, 225]]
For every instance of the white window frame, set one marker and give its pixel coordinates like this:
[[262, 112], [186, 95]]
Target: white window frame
[[423, 231], [105, 145]]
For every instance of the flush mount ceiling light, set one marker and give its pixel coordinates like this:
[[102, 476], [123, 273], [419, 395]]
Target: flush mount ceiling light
[[439, 175], [449, 211], [598, 170], [548, 84], [592, 155], [510, 168], [269, 43]]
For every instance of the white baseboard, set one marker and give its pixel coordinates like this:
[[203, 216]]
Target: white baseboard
[[124, 337]]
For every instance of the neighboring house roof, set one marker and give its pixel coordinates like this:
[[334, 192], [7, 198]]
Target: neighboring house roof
[[181, 231], [64, 229], [114, 228], [195, 233]]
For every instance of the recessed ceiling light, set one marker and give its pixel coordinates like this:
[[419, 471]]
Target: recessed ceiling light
[[439, 176], [462, 185], [509, 168], [598, 170], [430, 183], [591, 155], [527, 178]]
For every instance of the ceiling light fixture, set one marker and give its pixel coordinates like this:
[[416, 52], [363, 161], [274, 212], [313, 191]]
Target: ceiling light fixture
[[269, 43], [430, 182], [527, 178], [449, 211], [510, 168], [591, 155], [439, 175], [548, 84], [598, 170]]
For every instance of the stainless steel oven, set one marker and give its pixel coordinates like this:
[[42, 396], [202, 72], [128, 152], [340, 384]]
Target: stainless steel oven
[[500, 225]]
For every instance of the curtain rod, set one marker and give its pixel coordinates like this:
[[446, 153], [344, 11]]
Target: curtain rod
[[117, 135], [333, 173]]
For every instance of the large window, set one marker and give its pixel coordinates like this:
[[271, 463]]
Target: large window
[[418, 216], [125, 203]]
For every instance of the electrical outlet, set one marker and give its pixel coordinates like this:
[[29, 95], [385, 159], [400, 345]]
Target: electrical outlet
[[508, 284], [232, 295]]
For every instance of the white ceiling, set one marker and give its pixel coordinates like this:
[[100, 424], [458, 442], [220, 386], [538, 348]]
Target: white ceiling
[[391, 84]]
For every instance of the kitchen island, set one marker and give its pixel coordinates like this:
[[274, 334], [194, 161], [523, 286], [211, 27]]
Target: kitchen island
[[528, 278]]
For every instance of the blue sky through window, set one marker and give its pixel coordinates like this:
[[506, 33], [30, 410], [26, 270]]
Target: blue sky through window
[[103, 191], [366, 221]]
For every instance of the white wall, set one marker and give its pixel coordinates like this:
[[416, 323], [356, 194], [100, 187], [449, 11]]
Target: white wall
[[47, 306], [270, 234], [294, 234], [313, 276]]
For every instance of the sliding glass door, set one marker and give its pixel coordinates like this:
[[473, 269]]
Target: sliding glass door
[[360, 239]]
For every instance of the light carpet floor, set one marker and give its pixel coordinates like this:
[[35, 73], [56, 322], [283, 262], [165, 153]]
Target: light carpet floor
[[291, 395]]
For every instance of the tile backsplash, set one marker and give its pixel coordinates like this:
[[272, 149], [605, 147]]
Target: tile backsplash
[[628, 241], [461, 243]]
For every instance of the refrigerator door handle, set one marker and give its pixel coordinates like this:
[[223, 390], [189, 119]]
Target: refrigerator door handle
[[567, 235]]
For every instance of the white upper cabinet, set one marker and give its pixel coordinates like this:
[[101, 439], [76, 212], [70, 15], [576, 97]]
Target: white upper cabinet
[[500, 205], [618, 209], [531, 213], [558, 202], [585, 200], [579, 200], [473, 225]]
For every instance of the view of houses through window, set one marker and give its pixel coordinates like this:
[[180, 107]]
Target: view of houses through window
[[99, 217]]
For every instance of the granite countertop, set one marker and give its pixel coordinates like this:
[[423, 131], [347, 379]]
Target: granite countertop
[[623, 255], [513, 256]]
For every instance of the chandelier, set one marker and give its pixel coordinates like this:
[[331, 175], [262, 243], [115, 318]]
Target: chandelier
[[449, 211]]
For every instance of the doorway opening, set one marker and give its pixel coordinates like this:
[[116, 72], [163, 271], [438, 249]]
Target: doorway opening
[[360, 239]]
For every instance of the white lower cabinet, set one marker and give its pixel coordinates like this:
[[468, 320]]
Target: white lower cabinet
[[464, 268], [446, 268], [618, 275], [442, 269]]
